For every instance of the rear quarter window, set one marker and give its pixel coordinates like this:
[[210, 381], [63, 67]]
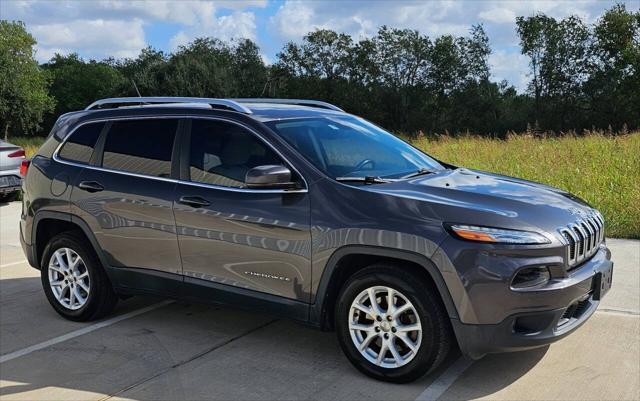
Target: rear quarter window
[[80, 145]]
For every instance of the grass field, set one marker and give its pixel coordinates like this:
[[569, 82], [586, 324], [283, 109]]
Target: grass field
[[603, 170]]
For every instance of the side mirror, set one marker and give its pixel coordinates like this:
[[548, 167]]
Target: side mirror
[[269, 177]]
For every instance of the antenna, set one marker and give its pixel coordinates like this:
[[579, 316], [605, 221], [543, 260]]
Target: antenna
[[136, 87]]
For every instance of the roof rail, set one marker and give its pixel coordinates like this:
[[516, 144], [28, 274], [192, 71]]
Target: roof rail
[[120, 101], [175, 105], [299, 102]]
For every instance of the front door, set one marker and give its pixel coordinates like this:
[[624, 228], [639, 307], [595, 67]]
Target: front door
[[253, 239]]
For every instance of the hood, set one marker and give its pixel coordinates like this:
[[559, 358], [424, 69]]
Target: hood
[[476, 197]]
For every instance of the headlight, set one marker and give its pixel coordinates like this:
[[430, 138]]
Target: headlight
[[497, 235]]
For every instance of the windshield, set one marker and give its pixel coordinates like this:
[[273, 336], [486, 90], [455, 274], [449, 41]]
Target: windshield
[[347, 146]]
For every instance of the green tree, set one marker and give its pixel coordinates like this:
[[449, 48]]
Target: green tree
[[248, 70], [560, 63], [146, 71], [23, 85], [400, 62], [318, 67], [76, 83], [203, 68], [613, 88]]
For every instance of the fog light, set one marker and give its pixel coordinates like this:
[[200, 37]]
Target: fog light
[[531, 277]]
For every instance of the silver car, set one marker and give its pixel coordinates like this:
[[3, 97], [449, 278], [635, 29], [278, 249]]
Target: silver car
[[11, 157]]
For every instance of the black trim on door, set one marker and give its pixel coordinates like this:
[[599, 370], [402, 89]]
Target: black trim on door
[[185, 144], [96, 156], [178, 146]]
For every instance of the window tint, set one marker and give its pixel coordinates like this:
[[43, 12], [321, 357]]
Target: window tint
[[345, 146], [222, 153], [141, 146], [79, 147]]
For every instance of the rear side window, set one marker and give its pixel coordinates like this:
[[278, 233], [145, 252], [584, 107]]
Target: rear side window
[[222, 153], [140, 146], [79, 147]]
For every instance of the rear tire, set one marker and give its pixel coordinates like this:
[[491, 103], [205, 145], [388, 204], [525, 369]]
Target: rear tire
[[414, 335], [73, 279]]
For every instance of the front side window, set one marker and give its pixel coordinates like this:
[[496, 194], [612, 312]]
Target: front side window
[[222, 153], [346, 146], [79, 147], [141, 146]]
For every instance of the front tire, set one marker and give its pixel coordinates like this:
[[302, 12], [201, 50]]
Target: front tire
[[74, 281], [391, 324], [10, 197]]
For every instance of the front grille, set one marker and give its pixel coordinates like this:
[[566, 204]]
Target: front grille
[[575, 311], [583, 238]]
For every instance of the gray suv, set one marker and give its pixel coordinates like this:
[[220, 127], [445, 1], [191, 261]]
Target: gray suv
[[299, 209]]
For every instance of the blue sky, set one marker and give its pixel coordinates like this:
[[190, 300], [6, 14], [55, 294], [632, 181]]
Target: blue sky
[[98, 29]]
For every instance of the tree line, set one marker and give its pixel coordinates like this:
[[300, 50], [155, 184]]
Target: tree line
[[582, 76]]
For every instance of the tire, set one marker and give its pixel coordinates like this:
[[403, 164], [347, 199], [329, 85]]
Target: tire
[[10, 197], [425, 311], [99, 300]]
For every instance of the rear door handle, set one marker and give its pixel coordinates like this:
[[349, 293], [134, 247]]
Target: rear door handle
[[90, 186], [194, 201]]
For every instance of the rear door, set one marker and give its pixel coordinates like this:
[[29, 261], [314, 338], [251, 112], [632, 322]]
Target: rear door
[[126, 194], [252, 239]]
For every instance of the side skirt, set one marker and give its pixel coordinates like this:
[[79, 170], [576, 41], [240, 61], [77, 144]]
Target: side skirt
[[132, 281]]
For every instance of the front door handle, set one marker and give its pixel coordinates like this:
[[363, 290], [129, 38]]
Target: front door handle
[[194, 201], [91, 186]]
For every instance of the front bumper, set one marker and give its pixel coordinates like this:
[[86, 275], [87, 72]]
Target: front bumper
[[580, 294]]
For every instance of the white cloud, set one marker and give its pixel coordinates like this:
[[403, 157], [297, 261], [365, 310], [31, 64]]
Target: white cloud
[[238, 25], [512, 66], [98, 29], [95, 37], [295, 18], [184, 12], [498, 15], [179, 39]]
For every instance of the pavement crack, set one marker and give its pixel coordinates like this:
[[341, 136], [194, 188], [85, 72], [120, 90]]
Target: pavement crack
[[614, 311], [188, 360]]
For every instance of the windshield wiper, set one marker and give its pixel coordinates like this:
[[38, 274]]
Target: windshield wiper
[[367, 180], [422, 171]]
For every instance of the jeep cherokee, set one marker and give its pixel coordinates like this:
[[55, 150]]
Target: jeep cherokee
[[299, 209]]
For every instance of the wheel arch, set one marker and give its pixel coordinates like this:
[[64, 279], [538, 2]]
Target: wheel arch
[[47, 224], [338, 269]]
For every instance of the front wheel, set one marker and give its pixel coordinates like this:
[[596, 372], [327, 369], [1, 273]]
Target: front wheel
[[73, 279], [10, 197], [391, 324]]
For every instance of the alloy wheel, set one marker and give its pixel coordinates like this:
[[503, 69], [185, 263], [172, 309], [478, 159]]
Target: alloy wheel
[[69, 278], [385, 327]]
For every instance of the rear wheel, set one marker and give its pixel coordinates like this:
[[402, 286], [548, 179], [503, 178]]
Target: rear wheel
[[73, 279], [391, 325]]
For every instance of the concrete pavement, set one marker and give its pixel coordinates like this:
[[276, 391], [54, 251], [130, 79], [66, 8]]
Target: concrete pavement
[[185, 351]]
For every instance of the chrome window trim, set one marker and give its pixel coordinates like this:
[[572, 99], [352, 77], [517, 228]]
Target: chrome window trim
[[178, 181]]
